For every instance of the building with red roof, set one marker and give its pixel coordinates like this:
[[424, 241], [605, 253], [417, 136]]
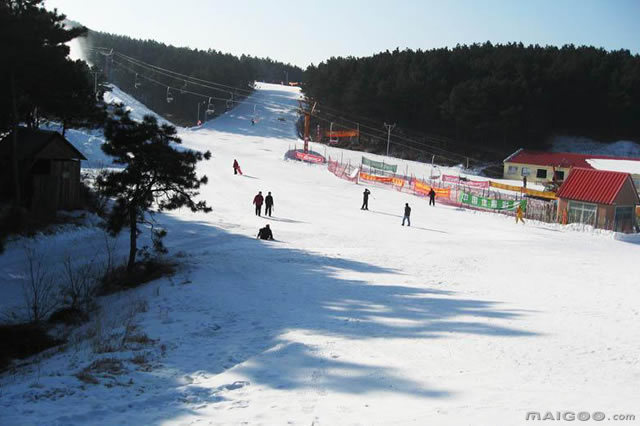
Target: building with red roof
[[603, 199], [544, 167]]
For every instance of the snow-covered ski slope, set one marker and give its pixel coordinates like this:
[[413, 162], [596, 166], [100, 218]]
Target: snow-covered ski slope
[[350, 318]]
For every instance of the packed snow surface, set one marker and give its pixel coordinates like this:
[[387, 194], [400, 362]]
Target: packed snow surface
[[348, 318]]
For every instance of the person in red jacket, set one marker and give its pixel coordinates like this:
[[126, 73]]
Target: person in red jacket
[[236, 167], [258, 200]]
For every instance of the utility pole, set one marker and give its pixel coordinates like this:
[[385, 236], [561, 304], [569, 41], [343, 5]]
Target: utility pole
[[199, 103], [108, 63], [389, 128], [286, 74], [307, 123]]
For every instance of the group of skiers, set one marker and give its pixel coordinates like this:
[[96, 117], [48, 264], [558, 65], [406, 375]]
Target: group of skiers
[[266, 234], [407, 210], [258, 200]]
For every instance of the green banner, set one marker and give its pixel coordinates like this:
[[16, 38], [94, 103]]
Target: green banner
[[492, 203], [379, 165]]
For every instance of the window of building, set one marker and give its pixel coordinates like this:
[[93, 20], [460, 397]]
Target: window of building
[[526, 171], [512, 170], [624, 219], [636, 182], [541, 174], [582, 213], [559, 175]]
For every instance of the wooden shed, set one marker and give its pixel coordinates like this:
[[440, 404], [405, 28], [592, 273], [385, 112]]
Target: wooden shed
[[603, 199], [49, 167]]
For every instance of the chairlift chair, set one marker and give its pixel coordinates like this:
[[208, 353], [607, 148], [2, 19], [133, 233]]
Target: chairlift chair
[[332, 139], [229, 103], [169, 96], [137, 83], [210, 108], [183, 88]]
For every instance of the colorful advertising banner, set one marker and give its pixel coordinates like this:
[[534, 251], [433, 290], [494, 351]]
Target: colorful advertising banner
[[374, 178], [533, 192], [310, 158], [379, 165], [460, 181], [398, 182], [424, 188], [492, 204]]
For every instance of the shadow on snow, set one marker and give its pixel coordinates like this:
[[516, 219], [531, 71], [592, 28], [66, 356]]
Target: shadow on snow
[[247, 296]]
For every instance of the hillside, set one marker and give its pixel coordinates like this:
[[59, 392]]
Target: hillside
[[348, 317], [140, 68], [488, 99]]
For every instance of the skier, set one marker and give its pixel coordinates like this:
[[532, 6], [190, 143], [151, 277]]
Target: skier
[[407, 213], [365, 199], [519, 214], [257, 200], [268, 204], [265, 233], [432, 197], [236, 167]]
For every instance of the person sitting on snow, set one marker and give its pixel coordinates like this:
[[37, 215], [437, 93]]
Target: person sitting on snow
[[265, 233]]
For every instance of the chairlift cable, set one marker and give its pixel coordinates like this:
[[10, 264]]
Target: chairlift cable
[[154, 68]]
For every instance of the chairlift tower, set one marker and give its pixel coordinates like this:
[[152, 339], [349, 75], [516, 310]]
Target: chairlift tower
[[389, 128], [307, 123]]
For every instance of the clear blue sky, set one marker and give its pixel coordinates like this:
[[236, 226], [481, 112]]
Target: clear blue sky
[[302, 32]]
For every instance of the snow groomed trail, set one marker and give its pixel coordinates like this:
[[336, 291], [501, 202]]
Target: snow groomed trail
[[350, 318]]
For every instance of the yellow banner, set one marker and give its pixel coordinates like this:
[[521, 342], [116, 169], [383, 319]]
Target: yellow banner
[[533, 192], [423, 187], [383, 179], [397, 182]]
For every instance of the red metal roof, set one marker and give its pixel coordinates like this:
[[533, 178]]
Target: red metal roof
[[592, 186], [559, 159]]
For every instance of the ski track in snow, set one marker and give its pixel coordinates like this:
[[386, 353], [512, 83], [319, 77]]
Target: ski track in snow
[[349, 318]]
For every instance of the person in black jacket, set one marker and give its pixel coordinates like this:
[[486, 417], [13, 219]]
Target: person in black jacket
[[365, 199], [265, 233], [268, 204], [432, 197], [407, 213]]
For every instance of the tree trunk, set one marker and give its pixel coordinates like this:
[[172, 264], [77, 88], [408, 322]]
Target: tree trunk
[[14, 145], [132, 238]]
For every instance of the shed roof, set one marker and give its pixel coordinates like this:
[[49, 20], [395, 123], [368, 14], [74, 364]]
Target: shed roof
[[593, 186], [33, 141], [560, 159]]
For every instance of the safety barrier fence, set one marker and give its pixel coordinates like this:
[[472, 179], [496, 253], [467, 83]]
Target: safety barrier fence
[[452, 190]]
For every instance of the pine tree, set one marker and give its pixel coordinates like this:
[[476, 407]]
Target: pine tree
[[32, 45], [156, 176]]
